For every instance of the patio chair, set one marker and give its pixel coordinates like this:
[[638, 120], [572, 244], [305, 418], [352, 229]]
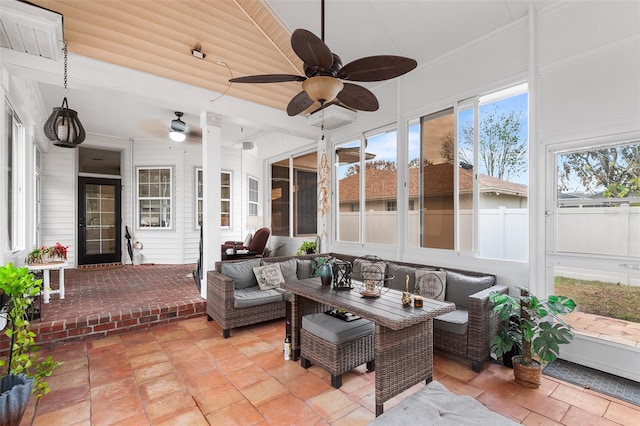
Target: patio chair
[[257, 243]]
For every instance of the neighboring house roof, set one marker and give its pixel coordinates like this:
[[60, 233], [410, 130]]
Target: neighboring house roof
[[381, 184]]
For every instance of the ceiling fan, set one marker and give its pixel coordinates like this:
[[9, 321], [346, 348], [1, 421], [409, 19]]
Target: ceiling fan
[[324, 73], [179, 130]]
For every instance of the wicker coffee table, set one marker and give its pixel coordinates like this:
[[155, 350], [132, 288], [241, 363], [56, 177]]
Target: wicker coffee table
[[403, 337]]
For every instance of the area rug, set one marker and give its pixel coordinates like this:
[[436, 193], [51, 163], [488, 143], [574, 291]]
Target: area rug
[[608, 384]]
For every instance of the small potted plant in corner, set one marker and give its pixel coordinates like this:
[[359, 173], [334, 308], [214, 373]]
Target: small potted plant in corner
[[307, 247], [533, 326], [25, 373]]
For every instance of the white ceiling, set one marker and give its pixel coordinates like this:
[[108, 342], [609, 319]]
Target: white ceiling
[[424, 30]]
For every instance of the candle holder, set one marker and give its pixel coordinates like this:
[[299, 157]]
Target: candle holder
[[370, 275], [341, 275]]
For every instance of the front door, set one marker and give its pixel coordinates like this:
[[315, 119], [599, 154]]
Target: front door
[[99, 221]]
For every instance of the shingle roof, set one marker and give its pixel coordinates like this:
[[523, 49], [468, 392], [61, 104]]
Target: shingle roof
[[381, 184]]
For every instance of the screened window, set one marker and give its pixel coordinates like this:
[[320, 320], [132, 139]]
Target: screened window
[[225, 199], [252, 196], [155, 192], [199, 196], [294, 200], [348, 189]]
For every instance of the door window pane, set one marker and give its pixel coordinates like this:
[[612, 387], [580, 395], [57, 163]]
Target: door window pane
[[280, 198], [381, 173]]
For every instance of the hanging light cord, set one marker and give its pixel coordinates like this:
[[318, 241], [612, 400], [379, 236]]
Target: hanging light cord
[[220, 61]]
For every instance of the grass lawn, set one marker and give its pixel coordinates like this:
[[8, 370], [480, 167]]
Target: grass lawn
[[600, 298]]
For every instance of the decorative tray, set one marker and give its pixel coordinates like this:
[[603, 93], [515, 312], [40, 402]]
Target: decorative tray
[[342, 314]]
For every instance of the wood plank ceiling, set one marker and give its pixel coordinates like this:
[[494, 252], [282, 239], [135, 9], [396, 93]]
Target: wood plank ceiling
[[157, 37]]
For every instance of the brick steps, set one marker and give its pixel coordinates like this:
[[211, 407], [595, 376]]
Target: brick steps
[[96, 326]]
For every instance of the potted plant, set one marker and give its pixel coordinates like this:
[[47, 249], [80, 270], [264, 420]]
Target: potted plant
[[25, 373], [42, 254], [307, 247], [533, 326]]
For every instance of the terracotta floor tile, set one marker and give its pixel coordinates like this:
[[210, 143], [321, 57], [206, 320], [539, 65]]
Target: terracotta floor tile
[[359, 417], [139, 419], [137, 349], [167, 406], [285, 410], [622, 414], [451, 367], [230, 365], [191, 417], [541, 404], [254, 348], [535, 419], [114, 390], [287, 371], [460, 388], [329, 402], [591, 403], [148, 358], [151, 371], [578, 416], [65, 415], [238, 414], [75, 365], [107, 412], [107, 362], [501, 405], [224, 351], [264, 391], [216, 398], [109, 375], [160, 386], [201, 381], [307, 386], [63, 396], [247, 376], [272, 358], [72, 379]]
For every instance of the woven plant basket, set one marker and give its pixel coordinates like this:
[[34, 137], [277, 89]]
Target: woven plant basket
[[526, 375], [16, 390]]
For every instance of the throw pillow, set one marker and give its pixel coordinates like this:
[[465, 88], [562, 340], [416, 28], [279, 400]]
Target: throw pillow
[[431, 284], [461, 286], [269, 276], [304, 268], [241, 272], [316, 262]]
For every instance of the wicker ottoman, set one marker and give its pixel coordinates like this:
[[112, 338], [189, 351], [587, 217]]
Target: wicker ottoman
[[337, 346]]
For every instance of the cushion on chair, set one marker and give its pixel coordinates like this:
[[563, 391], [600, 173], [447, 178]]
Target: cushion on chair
[[453, 322], [253, 296], [241, 272], [335, 330], [304, 268], [431, 284], [399, 274], [460, 287]]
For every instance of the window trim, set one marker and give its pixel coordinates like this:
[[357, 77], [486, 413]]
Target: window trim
[[170, 198], [199, 182], [15, 221], [230, 199], [250, 202]]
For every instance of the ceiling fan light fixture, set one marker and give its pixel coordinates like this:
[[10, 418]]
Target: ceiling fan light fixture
[[178, 129], [322, 88]]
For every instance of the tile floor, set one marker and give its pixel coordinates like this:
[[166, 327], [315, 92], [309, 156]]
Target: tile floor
[[185, 373]]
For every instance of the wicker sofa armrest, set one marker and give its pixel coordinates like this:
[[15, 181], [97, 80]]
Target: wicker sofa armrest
[[220, 290], [482, 326]]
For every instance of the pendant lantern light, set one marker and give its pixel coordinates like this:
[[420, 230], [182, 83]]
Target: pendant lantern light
[[63, 127]]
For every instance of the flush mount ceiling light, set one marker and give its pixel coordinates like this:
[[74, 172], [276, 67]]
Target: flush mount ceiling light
[[178, 129], [63, 126]]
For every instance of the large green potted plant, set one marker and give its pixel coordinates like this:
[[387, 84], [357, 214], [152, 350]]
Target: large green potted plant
[[534, 327], [25, 372]]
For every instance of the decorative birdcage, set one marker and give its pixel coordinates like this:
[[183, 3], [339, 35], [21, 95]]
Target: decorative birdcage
[[369, 275]]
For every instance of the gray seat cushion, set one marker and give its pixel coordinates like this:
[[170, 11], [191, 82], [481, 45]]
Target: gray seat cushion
[[241, 272], [453, 322], [335, 330], [399, 274], [253, 296], [460, 287], [434, 405]]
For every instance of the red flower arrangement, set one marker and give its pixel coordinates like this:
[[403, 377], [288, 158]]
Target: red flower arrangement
[[58, 251]]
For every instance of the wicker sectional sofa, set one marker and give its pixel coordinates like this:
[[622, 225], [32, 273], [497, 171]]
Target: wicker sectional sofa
[[467, 332]]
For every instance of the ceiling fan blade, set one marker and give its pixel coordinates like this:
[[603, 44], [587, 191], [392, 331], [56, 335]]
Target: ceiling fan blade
[[268, 78], [311, 49], [358, 97], [299, 103], [377, 68]]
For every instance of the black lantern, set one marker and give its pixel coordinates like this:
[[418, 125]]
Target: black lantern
[[341, 275], [63, 126]]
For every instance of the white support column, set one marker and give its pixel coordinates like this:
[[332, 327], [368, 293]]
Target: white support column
[[211, 152]]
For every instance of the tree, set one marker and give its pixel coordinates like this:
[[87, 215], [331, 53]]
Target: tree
[[503, 145], [354, 169], [613, 171]]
